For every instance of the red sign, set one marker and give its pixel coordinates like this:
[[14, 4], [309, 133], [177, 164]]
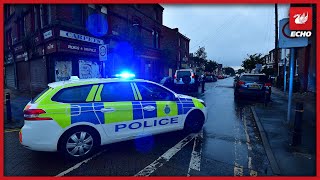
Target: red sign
[[300, 18]]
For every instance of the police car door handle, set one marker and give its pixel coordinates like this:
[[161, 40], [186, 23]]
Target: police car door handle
[[149, 108], [107, 110]]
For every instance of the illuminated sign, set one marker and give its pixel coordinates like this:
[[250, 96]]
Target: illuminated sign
[[80, 37]]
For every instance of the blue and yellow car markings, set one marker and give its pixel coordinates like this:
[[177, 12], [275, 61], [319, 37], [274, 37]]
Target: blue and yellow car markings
[[137, 110]]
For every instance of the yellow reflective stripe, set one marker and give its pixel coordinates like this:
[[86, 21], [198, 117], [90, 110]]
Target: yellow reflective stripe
[[123, 112], [98, 95], [92, 92], [161, 108], [134, 92], [197, 103], [138, 92]]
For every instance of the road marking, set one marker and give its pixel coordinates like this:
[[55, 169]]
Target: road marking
[[79, 164], [11, 130], [147, 171], [253, 173], [237, 170], [195, 160]]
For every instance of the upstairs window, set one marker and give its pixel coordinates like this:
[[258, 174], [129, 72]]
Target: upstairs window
[[77, 15], [156, 39]]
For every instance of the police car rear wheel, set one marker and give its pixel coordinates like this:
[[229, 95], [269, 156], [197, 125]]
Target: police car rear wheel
[[194, 122], [78, 143]]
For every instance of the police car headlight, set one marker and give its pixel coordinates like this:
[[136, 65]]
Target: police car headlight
[[203, 103]]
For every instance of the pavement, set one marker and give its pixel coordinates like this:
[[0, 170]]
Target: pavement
[[276, 134], [18, 101]]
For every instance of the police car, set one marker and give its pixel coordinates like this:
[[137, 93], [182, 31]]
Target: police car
[[77, 116]]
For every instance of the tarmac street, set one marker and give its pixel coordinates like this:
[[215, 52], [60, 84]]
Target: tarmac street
[[228, 145]]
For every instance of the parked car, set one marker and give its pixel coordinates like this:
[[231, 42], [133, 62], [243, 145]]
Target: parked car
[[184, 79], [211, 78], [220, 77], [167, 82], [257, 85]]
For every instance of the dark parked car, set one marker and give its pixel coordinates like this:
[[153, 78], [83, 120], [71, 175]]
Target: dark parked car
[[211, 78], [167, 82], [253, 85]]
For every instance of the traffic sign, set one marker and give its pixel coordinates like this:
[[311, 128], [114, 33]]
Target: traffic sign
[[285, 41], [103, 52]]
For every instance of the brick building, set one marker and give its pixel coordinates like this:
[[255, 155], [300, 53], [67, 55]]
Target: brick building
[[46, 43], [175, 50]]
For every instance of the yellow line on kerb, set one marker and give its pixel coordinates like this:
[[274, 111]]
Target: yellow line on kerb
[[11, 130]]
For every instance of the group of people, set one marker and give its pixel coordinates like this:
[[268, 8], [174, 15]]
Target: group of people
[[201, 80]]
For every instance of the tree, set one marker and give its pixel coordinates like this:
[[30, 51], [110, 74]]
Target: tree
[[240, 71], [268, 71], [199, 57], [250, 62], [229, 71], [211, 65]]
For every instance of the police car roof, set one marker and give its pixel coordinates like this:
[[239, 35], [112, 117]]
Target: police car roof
[[79, 82]]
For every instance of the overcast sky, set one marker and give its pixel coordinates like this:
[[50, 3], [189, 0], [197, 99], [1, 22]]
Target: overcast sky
[[228, 32]]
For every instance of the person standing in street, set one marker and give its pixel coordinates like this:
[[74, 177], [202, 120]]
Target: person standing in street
[[203, 81]]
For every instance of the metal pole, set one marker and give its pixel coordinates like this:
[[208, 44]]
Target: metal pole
[[8, 108], [285, 73], [276, 46], [290, 83]]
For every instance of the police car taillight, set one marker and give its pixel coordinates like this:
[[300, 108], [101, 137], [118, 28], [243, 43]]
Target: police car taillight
[[33, 115]]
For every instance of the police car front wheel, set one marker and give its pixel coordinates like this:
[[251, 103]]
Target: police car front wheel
[[78, 143], [194, 121]]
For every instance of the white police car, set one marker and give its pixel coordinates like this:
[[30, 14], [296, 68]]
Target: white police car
[[77, 116]]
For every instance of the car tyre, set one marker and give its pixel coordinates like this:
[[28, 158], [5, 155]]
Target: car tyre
[[79, 143], [194, 122]]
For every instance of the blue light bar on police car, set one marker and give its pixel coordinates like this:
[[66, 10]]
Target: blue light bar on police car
[[125, 75]]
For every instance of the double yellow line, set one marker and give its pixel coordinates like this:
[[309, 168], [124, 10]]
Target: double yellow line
[[12, 130]]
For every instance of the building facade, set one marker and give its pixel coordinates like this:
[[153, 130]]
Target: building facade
[[175, 50], [47, 43]]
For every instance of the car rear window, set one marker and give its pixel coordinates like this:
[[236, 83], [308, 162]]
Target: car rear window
[[183, 73], [253, 78], [76, 94], [39, 95]]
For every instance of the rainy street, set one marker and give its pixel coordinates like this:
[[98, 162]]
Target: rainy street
[[228, 145]]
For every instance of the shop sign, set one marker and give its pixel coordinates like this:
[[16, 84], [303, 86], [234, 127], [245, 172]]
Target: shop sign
[[80, 37], [9, 58], [78, 48], [47, 34], [18, 48], [23, 56], [50, 47]]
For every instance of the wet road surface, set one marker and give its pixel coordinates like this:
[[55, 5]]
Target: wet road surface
[[228, 145]]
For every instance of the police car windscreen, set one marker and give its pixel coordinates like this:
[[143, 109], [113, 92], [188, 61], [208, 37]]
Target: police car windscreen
[[253, 78], [180, 74]]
